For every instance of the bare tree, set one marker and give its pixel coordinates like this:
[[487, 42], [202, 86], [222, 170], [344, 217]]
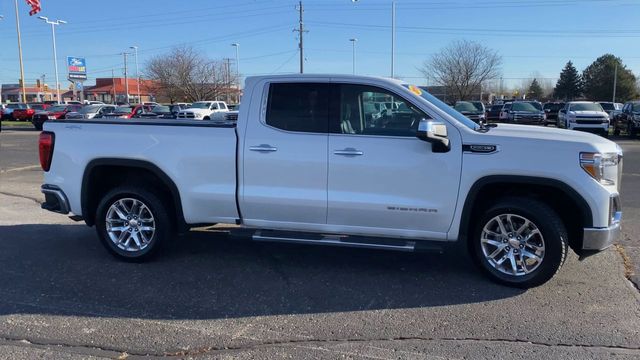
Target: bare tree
[[462, 67], [187, 75]]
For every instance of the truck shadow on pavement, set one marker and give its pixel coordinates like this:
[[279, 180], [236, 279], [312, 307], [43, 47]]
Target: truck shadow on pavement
[[64, 270]]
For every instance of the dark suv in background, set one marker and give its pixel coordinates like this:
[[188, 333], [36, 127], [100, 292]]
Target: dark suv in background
[[628, 120], [551, 109]]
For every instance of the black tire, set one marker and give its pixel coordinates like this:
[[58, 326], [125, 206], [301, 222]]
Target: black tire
[[633, 131], [553, 233], [160, 214], [616, 131], [38, 127], [206, 118]]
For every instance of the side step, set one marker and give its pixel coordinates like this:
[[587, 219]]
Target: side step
[[344, 240]]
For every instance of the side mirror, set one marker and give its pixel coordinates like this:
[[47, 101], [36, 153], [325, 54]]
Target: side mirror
[[434, 133]]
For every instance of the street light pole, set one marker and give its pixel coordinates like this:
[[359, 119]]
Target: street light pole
[[126, 82], [353, 45], [55, 54], [135, 49], [237, 46]]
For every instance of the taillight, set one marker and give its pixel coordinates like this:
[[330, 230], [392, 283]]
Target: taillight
[[45, 147]]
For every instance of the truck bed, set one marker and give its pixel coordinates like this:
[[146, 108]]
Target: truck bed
[[199, 157]]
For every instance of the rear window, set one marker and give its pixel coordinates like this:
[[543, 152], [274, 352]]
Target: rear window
[[585, 107], [302, 107]]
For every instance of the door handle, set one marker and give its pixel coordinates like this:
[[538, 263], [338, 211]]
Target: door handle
[[263, 148], [348, 152]]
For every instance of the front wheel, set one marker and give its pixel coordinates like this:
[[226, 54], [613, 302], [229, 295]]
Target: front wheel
[[519, 242], [133, 223]]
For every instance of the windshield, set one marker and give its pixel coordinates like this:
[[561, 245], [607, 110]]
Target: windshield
[[37, 107], [553, 106], [90, 109], [522, 106], [465, 106], [16, 106], [607, 106], [478, 105], [585, 107], [200, 105], [442, 106], [160, 109], [57, 108], [636, 107], [536, 105]]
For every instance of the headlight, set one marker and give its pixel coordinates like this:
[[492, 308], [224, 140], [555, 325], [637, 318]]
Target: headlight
[[602, 167], [572, 119]]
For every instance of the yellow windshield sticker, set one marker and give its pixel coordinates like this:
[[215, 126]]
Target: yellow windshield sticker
[[416, 90]]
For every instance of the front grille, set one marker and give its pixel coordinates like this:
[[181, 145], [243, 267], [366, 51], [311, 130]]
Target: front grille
[[186, 116], [590, 121], [232, 117]]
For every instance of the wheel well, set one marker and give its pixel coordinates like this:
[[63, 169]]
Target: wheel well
[[101, 178], [573, 212]]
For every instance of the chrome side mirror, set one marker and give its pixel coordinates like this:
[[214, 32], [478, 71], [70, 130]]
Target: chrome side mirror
[[434, 133]]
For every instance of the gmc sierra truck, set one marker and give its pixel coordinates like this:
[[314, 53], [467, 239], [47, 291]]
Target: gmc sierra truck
[[310, 161]]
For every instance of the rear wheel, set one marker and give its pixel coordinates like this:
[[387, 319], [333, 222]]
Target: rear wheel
[[632, 131], [519, 242], [133, 223]]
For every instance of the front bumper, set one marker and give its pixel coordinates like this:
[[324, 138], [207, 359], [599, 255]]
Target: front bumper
[[598, 239]]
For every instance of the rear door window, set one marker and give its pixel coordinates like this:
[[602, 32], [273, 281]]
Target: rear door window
[[302, 107]]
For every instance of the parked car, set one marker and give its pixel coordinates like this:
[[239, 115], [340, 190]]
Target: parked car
[[493, 113], [23, 113], [469, 110], [611, 108], [628, 120], [551, 110], [56, 112], [39, 106], [292, 170], [128, 112], [7, 113], [163, 111], [204, 110], [585, 116], [91, 111], [522, 112], [51, 102]]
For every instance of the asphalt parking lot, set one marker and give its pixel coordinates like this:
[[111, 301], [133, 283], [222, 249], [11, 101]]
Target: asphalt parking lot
[[213, 296]]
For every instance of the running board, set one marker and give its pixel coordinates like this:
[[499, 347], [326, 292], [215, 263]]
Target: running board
[[343, 240]]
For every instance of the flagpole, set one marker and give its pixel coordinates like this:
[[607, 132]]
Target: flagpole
[[24, 89]]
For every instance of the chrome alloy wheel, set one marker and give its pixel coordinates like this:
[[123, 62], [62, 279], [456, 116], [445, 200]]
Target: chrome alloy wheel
[[130, 224], [512, 244]]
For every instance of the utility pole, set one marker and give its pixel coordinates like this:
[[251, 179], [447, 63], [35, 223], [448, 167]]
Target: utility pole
[[615, 82], [113, 83], [126, 81], [301, 31], [393, 38], [24, 88], [227, 77], [55, 53]]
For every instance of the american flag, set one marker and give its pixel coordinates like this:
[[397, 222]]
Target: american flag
[[35, 6]]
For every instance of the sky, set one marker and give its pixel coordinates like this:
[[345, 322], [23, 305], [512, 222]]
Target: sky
[[533, 37]]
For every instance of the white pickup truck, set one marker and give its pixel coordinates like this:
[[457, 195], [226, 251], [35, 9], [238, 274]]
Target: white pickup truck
[[205, 110], [307, 163]]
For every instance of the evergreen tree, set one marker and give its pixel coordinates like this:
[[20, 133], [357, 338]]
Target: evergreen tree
[[569, 85], [598, 80], [535, 90]]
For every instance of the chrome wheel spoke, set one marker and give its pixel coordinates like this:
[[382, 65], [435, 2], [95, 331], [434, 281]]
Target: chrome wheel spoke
[[492, 242], [523, 227], [118, 228], [512, 260], [497, 251], [530, 255], [136, 239]]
